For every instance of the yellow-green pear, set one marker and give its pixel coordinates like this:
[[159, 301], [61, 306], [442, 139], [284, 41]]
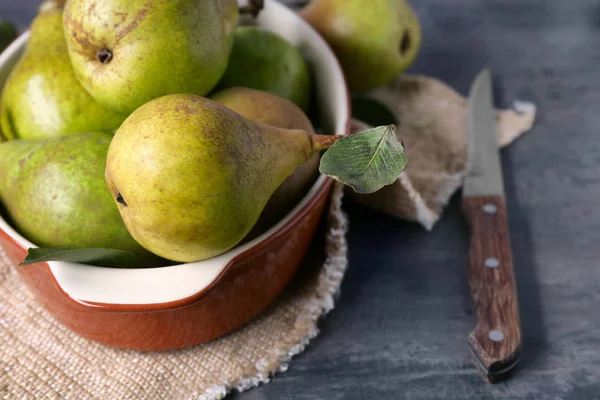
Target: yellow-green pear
[[54, 193], [191, 177], [267, 108], [42, 96], [128, 52], [374, 40]]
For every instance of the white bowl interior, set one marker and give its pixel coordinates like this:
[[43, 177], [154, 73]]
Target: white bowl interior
[[159, 285]]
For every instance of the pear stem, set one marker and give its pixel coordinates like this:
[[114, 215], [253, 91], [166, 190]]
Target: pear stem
[[323, 142]]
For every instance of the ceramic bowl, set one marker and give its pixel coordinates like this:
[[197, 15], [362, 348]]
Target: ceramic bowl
[[187, 304]]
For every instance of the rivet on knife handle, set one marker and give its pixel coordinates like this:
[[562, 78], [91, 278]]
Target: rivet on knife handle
[[496, 340]]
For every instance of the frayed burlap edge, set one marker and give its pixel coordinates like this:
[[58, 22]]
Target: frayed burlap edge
[[328, 288], [40, 358]]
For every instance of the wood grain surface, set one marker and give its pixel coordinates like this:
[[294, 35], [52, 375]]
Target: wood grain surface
[[496, 339], [398, 330]]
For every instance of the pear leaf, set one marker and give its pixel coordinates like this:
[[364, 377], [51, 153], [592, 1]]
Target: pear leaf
[[99, 257], [366, 161]]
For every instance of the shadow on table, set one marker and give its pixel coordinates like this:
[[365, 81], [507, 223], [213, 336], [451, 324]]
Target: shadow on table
[[526, 273], [526, 269]]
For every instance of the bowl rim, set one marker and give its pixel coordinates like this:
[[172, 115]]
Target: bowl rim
[[215, 268]]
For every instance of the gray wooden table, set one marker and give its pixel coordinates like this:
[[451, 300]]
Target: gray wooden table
[[399, 329]]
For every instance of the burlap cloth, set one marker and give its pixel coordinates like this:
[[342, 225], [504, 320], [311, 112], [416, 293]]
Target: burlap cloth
[[39, 358], [431, 118]]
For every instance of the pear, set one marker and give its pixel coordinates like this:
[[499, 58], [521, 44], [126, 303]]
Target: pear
[[128, 52], [267, 108], [54, 193], [42, 96], [191, 177], [265, 61], [374, 42]]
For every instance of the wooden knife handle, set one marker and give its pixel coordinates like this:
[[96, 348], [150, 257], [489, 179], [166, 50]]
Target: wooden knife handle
[[496, 340]]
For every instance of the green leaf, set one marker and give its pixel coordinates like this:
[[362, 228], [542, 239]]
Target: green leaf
[[98, 257], [366, 161]]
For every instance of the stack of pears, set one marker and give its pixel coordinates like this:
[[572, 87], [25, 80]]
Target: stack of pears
[[42, 96], [161, 129], [87, 66]]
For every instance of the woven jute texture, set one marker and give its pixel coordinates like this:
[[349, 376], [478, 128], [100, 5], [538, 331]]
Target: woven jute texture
[[39, 358], [432, 122]]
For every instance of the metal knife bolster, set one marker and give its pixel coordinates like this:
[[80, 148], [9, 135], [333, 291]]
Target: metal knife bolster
[[496, 340]]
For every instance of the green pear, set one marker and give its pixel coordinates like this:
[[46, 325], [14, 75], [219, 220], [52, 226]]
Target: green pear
[[374, 42], [54, 193], [128, 52], [191, 177], [42, 96], [267, 108], [265, 61]]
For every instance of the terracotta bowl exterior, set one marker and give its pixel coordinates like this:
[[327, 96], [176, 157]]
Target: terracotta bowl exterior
[[178, 306]]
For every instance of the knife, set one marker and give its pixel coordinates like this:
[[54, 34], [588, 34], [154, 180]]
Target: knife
[[495, 342]]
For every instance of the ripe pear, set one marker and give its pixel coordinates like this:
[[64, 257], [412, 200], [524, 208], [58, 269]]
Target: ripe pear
[[128, 52], [264, 60], [374, 41], [267, 108], [54, 193], [42, 96], [191, 177]]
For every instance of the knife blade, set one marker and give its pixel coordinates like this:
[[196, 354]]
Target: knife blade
[[495, 343]]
